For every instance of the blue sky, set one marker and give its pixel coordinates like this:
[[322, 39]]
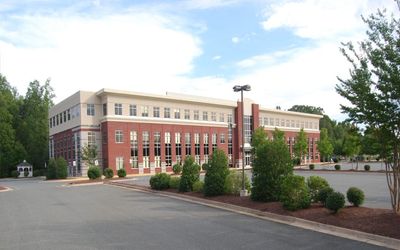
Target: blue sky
[[287, 50]]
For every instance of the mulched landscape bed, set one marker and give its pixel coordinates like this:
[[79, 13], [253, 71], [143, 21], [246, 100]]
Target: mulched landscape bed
[[2, 188], [370, 220]]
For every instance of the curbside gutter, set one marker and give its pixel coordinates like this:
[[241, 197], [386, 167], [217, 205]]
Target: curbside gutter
[[373, 239]]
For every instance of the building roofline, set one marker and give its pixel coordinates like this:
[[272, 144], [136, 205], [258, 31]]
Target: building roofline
[[290, 112]]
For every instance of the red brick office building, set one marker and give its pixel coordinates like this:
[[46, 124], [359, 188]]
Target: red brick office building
[[146, 133]]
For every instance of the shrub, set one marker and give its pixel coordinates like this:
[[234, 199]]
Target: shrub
[[204, 166], [335, 201], [367, 167], [315, 184], [233, 183], [121, 173], [335, 160], [14, 173], [51, 170], [294, 193], [217, 171], [198, 186], [311, 166], [174, 182], [38, 172], [160, 181], [61, 168], [190, 174], [26, 173], [355, 196], [93, 172], [108, 173], [177, 168], [272, 163], [337, 167], [296, 161], [323, 194]]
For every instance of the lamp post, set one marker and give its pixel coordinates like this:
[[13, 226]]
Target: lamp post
[[242, 88]]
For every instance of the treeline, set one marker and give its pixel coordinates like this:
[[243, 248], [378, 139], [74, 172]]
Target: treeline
[[346, 139], [24, 127]]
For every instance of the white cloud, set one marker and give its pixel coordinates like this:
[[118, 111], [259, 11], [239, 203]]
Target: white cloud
[[207, 4], [133, 51], [235, 39], [217, 57]]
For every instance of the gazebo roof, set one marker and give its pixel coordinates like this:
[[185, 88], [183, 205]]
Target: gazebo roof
[[24, 164]]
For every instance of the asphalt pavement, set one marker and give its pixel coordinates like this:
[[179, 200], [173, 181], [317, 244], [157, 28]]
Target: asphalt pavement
[[48, 215]]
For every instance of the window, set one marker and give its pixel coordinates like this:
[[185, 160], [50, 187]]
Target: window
[[134, 149], [222, 138], [132, 110], [187, 144], [214, 141], [205, 116], [68, 114], [287, 123], [118, 108], [178, 147], [145, 111], [282, 123], [187, 114], [90, 109], [50, 123], [157, 149], [156, 111], [271, 121], [248, 128], [177, 113], [119, 163], [119, 136], [213, 116], [196, 115], [167, 138], [260, 121], [292, 123], [146, 148], [221, 117], [65, 116], [167, 113], [104, 109], [91, 138], [265, 121], [230, 118], [61, 119], [206, 149]]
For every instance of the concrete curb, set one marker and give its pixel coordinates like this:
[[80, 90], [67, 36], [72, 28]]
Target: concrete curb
[[283, 219]]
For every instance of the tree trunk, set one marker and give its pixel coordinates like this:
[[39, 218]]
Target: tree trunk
[[393, 180]]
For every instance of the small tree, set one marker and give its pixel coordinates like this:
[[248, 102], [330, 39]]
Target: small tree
[[352, 145], [51, 170], [61, 168], [217, 171], [190, 174], [271, 165], [300, 147], [324, 145], [89, 154], [294, 193]]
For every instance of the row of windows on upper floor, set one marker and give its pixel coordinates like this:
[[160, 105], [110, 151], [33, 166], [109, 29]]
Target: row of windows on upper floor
[[64, 116], [273, 121], [175, 113]]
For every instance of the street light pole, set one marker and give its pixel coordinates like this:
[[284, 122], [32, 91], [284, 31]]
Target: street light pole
[[242, 88]]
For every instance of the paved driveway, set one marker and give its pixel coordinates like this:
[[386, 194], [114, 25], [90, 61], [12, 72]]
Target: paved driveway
[[44, 215]]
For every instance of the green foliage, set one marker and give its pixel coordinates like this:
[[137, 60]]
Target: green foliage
[[174, 182], [177, 168], [160, 181], [89, 154], [324, 145], [311, 166], [26, 173], [190, 174], [233, 183], [315, 184], [198, 186], [61, 168], [351, 144], [217, 171], [300, 147], [278, 135], [14, 174], [204, 166], [272, 163], [323, 193], [335, 201], [355, 196], [367, 167], [37, 172], [93, 172], [337, 167], [108, 173], [121, 172], [51, 170], [294, 193], [296, 161], [307, 109], [258, 137]]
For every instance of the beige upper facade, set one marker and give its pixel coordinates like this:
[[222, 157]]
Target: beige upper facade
[[88, 109]]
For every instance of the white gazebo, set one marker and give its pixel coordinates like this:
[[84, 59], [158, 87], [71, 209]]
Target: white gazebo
[[25, 167]]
